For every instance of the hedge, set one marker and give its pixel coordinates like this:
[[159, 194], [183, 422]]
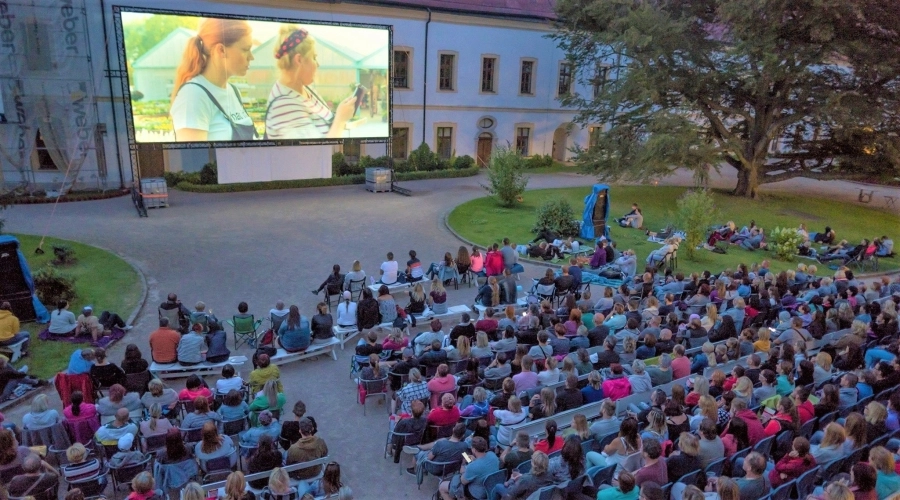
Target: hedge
[[333, 181]]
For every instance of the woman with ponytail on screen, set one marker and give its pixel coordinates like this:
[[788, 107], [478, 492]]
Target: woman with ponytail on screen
[[205, 107], [294, 110]]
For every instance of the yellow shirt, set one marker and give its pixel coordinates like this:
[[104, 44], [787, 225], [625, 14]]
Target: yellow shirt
[[762, 345], [9, 325]]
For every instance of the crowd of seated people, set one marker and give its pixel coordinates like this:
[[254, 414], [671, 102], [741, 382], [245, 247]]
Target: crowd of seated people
[[766, 327]]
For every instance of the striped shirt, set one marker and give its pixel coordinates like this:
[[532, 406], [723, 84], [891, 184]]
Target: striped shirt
[[292, 116], [83, 470]]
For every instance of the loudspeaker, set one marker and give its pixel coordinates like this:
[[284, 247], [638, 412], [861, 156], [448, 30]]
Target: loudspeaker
[[13, 288], [600, 209]]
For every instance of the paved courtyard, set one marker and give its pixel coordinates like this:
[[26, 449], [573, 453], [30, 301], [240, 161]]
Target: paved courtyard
[[260, 247]]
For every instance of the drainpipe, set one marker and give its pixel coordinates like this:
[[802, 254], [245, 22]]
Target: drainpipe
[[112, 99], [425, 79]]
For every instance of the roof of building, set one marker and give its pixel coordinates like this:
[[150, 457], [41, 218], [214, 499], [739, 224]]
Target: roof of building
[[534, 9]]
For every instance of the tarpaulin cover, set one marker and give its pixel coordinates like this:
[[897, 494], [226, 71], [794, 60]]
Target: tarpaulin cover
[[587, 226], [42, 315]]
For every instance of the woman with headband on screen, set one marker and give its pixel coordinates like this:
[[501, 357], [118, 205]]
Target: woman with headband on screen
[[205, 107], [294, 110]]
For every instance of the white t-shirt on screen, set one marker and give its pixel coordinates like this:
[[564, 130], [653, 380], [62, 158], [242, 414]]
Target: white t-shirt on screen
[[193, 109]]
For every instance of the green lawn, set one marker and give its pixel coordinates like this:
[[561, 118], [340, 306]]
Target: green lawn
[[557, 168], [103, 280], [484, 222]]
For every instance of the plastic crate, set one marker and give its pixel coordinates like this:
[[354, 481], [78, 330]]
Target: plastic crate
[[378, 180], [156, 187]]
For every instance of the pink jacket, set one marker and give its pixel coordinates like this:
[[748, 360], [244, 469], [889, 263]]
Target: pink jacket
[[616, 388]]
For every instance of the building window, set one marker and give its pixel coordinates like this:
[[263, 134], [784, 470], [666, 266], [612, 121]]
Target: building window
[[594, 136], [526, 79], [523, 134], [352, 150], [564, 86], [488, 68], [444, 144], [447, 72], [400, 146], [401, 69], [599, 80], [44, 161]]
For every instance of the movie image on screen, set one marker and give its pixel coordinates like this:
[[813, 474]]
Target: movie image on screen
[[216, 79]]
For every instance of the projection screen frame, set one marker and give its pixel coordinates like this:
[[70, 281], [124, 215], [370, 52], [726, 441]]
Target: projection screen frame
[[135, 146]]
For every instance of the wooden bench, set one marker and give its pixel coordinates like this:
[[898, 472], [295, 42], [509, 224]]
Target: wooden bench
[[395, 288], [283, 357], [219, 485], [345, 333], [521, 304], [175, 370], [563, 420]]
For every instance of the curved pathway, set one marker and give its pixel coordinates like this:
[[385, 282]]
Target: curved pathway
[[260, 247]]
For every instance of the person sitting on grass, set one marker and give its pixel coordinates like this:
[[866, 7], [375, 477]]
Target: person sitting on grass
[[544, 251], [62, 321], [724, 233], [633, 219]]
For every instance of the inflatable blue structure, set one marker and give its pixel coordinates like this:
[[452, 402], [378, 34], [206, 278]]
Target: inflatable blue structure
[[16, 283], [596, 211]]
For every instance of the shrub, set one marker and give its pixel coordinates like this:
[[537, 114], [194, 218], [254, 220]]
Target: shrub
[[507, 181], [174, 178], [367, 161], [423, 159], [209, 174], [696, 212], [463, 162], [784, 242], [64, 255], [402, 166], [52, 286], [539, 161], [332, 181], [557, 216]]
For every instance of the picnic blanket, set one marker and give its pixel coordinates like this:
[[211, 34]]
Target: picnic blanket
[[596, 279], [114, 335]]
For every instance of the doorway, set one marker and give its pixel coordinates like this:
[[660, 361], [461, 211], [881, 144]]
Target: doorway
[[560, 143], [485, 146]]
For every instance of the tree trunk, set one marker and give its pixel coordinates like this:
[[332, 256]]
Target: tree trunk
[[747, 183]]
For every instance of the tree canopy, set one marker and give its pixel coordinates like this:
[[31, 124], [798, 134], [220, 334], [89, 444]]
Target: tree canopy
[[774, 88]]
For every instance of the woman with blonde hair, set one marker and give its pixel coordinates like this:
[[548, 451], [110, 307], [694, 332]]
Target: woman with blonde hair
[[832, 445], [579, 428], [656, 426], [743, 389], [888, 481], [700, 389], [417, 299], [543, 404], [279, 484], [142, 487], [822, 370], [155, 425], [236, 487], [876, 417], [711, 319], [294, 111], [462, 351], [270, 399], [205, 107], [489, 294], [482, 348], [437, 297], [763, 344], [193, 491]]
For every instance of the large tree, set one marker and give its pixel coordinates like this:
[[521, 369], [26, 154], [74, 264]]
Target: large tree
[[774, 88]]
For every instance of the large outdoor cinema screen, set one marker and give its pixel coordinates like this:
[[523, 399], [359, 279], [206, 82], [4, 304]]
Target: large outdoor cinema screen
[[198, 78]]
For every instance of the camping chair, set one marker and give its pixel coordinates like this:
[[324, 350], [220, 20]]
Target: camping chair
[[449, 273], [91, 486], [245, 330], [544, 292], [806, 483], [124, 475], [174, 317], [200, 318], [447, 469], [154, 443], [46, 436], [137, 382]]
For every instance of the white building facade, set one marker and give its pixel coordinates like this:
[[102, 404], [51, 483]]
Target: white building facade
[[465, 80]]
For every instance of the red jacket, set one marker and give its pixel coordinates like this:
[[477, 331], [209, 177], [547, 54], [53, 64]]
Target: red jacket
[[755, 431], [616, 388], [790, 467], [806, 412], [493, 263]]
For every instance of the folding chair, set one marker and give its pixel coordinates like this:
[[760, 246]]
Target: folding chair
[[545, 292], [232, 428], [377, 388], [245, 330], [524, 467], [154, 443], [764, 447], [783, 492], [193, 435], [124, 475], [806, 483], [449, 273], [356, 287], [174, 317], [447, 469], [716, 467], [91, 486]]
